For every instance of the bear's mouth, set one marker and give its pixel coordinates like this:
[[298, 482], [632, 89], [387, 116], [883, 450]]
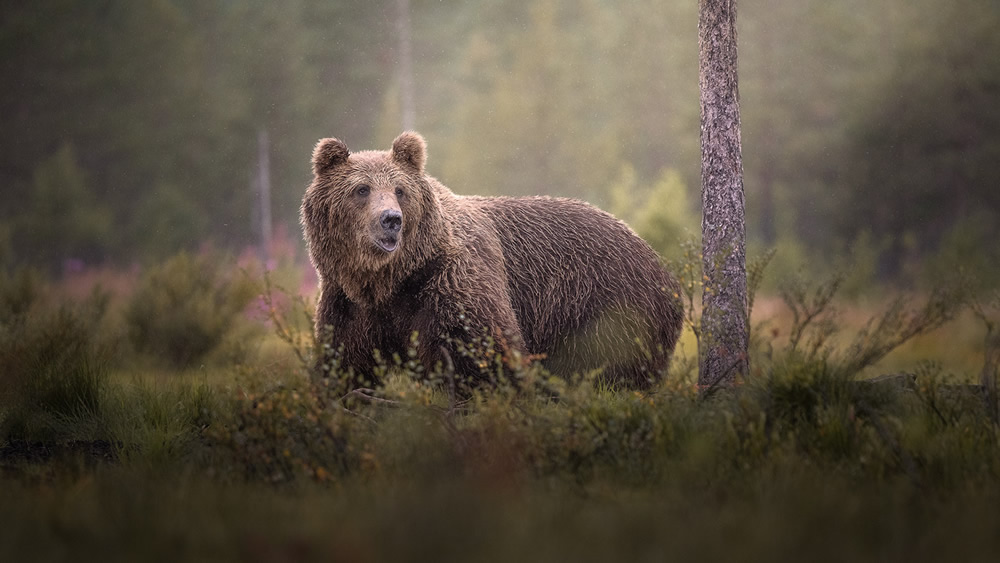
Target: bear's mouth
[[387, 243]]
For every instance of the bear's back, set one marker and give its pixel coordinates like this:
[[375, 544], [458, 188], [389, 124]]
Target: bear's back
[[569, 263]]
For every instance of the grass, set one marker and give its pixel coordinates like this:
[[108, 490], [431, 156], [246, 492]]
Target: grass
[[787, 468], [243, 456], [119, 515]]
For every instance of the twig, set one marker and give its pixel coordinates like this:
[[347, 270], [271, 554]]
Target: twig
[[285, 334], [710, 389], [359, 415], [804, 310], [368, 395], [450, 374]]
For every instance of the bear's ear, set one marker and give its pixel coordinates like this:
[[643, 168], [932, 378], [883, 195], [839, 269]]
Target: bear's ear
[[409, 149], [328, 154]]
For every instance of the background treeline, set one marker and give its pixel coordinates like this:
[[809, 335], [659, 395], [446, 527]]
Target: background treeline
[[871, 130]]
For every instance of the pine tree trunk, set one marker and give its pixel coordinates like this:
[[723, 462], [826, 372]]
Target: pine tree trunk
[[725, 326], [406, 88]]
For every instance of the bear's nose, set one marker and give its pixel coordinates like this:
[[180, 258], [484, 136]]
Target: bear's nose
[[391, 220]]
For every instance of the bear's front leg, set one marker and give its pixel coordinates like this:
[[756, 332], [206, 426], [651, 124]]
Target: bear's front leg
[[345, 341], [471, 336]]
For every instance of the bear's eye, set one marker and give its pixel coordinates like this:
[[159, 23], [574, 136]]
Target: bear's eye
[[363, 190], [400, 192]]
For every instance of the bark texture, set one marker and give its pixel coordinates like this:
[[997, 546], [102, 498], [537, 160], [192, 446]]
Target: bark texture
[[725, 327]]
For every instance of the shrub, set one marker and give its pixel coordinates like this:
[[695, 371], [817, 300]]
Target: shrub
[[53, 362], [19, 291], [281, 435], [183, 308]]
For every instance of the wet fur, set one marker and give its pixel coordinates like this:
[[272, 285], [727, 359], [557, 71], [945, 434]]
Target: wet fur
[[545, 276]]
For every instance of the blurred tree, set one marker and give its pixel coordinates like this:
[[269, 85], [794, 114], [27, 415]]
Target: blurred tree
[[168, 221], [556, 97], [662, 214], [117, 81], [653, 73], [924, 153], [803, 67], [666, 218], [162, 101], [169, 95], [530, 117], [300, 69], [62, 220]]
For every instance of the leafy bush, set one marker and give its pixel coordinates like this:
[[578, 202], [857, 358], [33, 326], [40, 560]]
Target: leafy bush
[[184, 308], [284, 434]]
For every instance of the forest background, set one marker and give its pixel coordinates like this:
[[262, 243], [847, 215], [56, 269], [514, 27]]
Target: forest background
[[871, 130], [155, 398]]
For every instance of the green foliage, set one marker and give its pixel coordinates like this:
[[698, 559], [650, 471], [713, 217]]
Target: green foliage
[[931, 139], [662, 214], [19, 292], [667, 215], [62, 219], [54, 361], [529, 465], [162, 102], [166, 98], [542, 134], [167, 221], [870, 132], [805, 412], [157, 425], [967, 249], [688, 270], [284, 435], [184, 308]]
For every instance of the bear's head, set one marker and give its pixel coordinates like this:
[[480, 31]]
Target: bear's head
[[370, 214]]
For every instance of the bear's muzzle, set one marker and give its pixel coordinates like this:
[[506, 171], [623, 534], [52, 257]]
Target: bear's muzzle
[[391, 222]]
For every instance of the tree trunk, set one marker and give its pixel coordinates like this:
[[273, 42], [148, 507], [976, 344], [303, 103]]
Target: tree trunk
[[264, 194], [406, 87], [725, 326]]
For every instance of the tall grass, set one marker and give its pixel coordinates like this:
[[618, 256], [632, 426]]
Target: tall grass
[[53, 363]]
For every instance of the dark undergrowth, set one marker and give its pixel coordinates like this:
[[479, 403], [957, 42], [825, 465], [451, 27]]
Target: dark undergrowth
[[802, 460]]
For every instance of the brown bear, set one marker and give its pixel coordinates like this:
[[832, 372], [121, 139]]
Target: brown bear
[[405, 264]]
